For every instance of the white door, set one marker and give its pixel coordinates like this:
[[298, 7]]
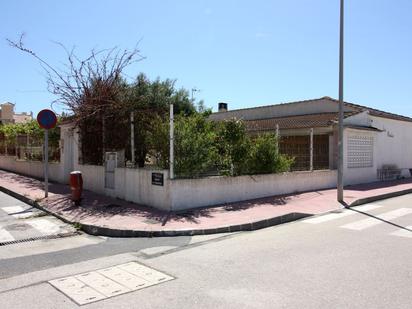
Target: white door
[[110, 166]]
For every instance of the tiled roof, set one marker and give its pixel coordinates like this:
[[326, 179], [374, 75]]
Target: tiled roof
[[375, 112], [294, 122], [268, 111]]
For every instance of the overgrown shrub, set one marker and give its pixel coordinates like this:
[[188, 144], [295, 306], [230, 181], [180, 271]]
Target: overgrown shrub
[[158, 139], [265, 157], [202, 146], [195, 145], [233, 146]]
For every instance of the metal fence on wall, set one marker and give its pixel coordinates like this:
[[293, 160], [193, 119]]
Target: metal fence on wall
[[26, 148], [299, 147]]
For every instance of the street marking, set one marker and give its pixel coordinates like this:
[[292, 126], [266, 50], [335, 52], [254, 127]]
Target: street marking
[[403, 233], [344, 213], [44, 226], [13, 209], [125, 278], [18, 212], [77, 290], [328, 217], [5, 236], [366, 207], [104, 283], [369, 222]]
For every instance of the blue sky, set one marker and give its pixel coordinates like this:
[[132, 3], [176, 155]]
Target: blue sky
[[245, 53]]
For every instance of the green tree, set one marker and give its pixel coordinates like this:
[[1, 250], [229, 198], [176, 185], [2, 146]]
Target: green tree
[[150, 101]]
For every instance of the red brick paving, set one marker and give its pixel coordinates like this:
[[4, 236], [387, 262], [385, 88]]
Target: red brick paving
[[103, 211]]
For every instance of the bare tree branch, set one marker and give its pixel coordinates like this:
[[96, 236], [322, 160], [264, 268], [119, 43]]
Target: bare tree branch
[[85, 87]]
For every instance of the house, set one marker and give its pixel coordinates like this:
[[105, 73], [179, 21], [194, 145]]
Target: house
[[8, 115], [377, 144]]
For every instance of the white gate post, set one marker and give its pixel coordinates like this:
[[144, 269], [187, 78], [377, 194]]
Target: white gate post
[[132, 137]]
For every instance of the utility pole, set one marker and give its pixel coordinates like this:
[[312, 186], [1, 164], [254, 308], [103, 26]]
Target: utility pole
[[341, 106], [171, 142]]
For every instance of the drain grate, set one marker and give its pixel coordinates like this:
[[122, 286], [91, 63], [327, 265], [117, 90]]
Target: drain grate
[[30, 239]]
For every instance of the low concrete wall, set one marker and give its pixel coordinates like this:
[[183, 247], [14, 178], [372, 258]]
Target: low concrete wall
[[191, 193], [135, 185], [93, 177], [32, 168]]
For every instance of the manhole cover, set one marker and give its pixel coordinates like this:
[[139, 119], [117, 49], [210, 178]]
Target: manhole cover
[[104, 283], [17, 227]]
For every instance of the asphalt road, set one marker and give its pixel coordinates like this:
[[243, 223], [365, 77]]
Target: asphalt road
[[20, 222], [359, 258]]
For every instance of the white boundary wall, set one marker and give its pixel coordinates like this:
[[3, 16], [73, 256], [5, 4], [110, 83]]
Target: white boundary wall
[[191, 193], [93, 177], [135, 185], [32, 168]]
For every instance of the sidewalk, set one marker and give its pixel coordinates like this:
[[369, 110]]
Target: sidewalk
[[102, 215]]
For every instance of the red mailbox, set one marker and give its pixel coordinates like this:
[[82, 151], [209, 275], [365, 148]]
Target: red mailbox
[[76, 185]]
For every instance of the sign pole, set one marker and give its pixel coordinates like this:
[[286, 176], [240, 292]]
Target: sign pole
[[46, 163], [47, 120]]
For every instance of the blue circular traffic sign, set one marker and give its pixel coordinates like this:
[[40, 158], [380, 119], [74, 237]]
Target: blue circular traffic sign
[[47, 119]]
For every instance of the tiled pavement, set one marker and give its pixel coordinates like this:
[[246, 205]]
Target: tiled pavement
[[103, 215]]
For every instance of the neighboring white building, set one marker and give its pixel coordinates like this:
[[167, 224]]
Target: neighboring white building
[[375, 141], [8, 115]]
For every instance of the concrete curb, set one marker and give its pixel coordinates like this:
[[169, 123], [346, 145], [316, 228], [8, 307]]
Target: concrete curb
[[104, 231], [251, 226], [375, 198], [35, 204]]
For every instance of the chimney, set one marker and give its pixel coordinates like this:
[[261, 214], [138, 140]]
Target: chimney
[[222, 107]]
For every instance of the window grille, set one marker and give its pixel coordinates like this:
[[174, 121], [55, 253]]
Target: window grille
[[360, 151]]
